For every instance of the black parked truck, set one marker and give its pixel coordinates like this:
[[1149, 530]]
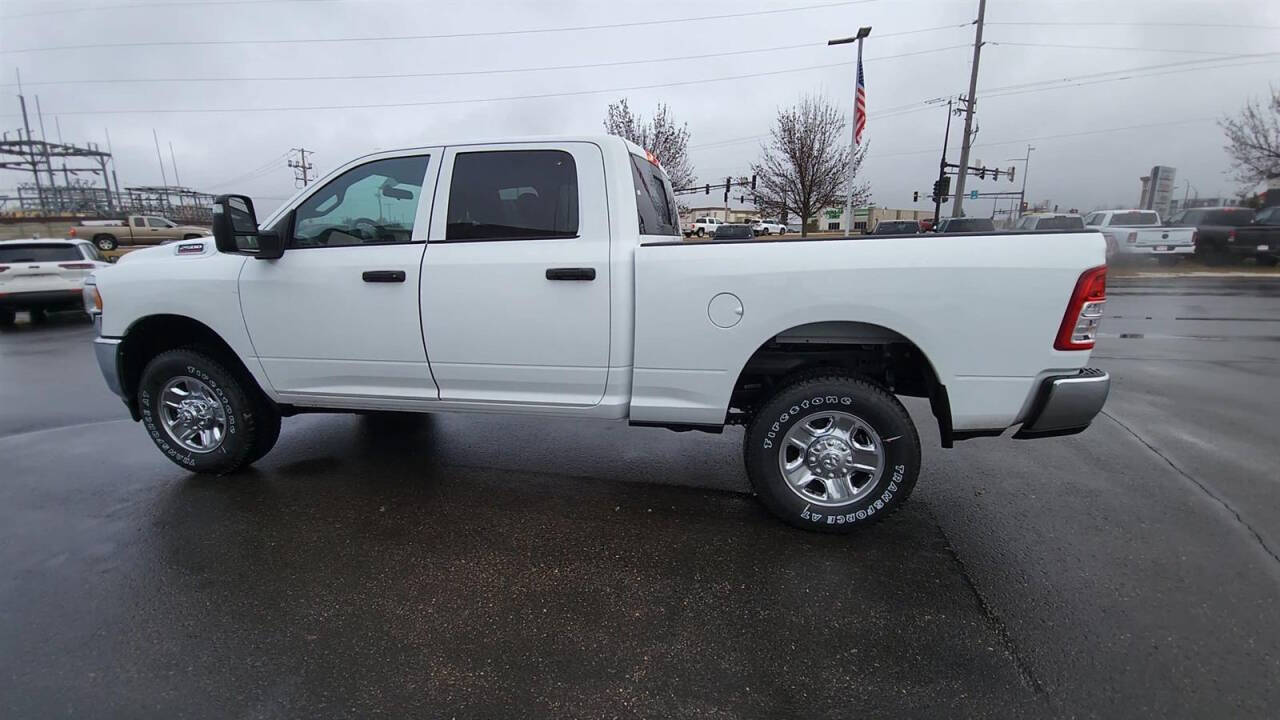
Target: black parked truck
[[1229, 234]]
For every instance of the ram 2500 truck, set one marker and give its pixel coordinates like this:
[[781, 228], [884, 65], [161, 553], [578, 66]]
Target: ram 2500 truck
[[135, 230], [549, 277], [1139, 233]]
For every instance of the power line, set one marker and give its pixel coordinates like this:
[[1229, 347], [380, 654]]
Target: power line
[[1144, 24], [129, 6], [438, 36], [496, 71], [426, 103], [1105, 47]]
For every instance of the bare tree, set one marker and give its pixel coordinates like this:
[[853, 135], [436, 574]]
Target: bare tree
[[1253, 140], [804, 167], [662, 136]]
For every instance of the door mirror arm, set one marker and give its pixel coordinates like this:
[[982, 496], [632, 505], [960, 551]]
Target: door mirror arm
[[235, 229]]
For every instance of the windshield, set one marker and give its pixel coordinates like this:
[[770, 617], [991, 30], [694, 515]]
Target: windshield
[[728, 232], [1060, 223], [968, 225], [37, 253]]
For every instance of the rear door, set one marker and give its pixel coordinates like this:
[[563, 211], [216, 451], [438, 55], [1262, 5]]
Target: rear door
[[515, 281]]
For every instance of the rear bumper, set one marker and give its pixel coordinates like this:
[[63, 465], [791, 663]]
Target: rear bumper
[[41, 299], [1145, 250], [1066, 404], [107, 351]]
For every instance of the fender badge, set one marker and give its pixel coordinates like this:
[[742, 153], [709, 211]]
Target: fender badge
[[191, 249]]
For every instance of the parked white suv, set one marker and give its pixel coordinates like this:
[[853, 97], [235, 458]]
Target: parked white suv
[[769, 227], [38, 275], [548, 277], [703, 226]]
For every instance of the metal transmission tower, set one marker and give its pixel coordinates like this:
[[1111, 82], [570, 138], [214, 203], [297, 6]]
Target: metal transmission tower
[[302, 168]]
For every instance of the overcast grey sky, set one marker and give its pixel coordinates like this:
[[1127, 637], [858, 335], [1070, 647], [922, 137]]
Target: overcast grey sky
[[727, 113]]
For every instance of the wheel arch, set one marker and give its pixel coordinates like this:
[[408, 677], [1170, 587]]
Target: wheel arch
[[874, 351], [151, 335]]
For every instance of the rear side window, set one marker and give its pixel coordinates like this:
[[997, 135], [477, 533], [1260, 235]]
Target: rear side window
[[513, 195], [1234, 218], [655, 204], [38, 253]]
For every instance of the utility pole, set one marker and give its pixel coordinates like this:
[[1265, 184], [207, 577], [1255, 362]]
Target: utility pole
[[114, 178], [1026, 167], [301, 168], [174, 161], [970, 102], [942, 167]]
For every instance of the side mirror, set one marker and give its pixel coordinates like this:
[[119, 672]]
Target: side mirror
[[235, 229]]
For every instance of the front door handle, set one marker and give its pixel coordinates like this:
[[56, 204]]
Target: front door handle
[[383, 276], [571, 273]]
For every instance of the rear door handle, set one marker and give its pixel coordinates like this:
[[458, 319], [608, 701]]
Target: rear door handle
[[571, 273], [383, 276]]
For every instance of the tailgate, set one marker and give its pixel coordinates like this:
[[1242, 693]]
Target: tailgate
[[1160, 237], [44, 276]]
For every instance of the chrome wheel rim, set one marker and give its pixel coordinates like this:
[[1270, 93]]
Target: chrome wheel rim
[[192, 415], [831, 458]]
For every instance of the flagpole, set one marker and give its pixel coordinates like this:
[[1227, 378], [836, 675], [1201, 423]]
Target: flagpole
[[863, 32]]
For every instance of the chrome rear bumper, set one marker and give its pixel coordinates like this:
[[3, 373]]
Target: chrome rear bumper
[[1066, 404]]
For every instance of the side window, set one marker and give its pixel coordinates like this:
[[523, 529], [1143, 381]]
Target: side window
[[1093, 219], [139, 222], [156, 222], [373, 204], [513, 195], [90, 252]]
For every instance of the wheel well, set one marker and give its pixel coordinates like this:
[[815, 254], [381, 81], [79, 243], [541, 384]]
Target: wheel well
[[872, 351], [155, 334]]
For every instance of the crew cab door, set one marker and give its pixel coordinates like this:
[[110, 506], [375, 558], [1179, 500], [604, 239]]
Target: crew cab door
[[515, 282], [336, 317]]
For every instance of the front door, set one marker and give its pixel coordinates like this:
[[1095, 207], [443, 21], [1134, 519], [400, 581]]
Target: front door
[[515, 284], [335, 318]]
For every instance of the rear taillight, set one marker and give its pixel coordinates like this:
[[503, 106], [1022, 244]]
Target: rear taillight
[[1133, 238], [71, 232], [1231, 236], [1195, 236], [1079, 327], [76, 266], [92, 299], [3, 268]]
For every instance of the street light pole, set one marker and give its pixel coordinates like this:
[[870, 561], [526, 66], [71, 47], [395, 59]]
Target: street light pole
[[863, 32], [1026, 168]]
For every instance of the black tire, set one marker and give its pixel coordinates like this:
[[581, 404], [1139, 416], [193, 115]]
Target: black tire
[[1167, 260], [810, 396], [106, 242], [6, 317], [700, 232], [1267, 260], [240, 403], [38, 316]]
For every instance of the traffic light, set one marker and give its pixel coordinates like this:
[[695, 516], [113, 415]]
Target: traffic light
[[941, 188], [915, 196], [726, 188], [1011, 169], [707, 190], [982, 173], [753, 182]]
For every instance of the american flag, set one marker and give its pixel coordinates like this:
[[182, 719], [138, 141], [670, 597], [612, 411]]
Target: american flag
[[859, 107]]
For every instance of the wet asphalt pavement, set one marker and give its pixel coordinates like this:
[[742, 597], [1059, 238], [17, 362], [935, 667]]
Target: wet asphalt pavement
[[482, 566]]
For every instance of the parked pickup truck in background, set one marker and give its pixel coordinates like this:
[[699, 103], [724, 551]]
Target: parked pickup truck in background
[[136, 230], [549, 277], [1229, 234], [1139, 233]]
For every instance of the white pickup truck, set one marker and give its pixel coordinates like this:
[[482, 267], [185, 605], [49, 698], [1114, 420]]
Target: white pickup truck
[[1139, 233], [548, 277]]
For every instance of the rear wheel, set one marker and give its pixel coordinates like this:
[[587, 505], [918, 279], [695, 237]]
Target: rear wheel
[[202, 415], [105, 242], [700, 232], [1167, 261], [1267, 260], [6, 317], [38, 316], [830, 452]]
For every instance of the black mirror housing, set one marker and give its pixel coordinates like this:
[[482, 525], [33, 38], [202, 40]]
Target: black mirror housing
[[235, 229]]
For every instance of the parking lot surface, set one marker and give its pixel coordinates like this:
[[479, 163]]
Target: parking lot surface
[[480, 566]]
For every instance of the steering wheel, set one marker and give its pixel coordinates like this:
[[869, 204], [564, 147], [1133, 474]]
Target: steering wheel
[[364, 228]]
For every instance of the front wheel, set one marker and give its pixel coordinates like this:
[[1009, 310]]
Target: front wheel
[[700, 232], [200, 414], [1267, 260], [831, 452]]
